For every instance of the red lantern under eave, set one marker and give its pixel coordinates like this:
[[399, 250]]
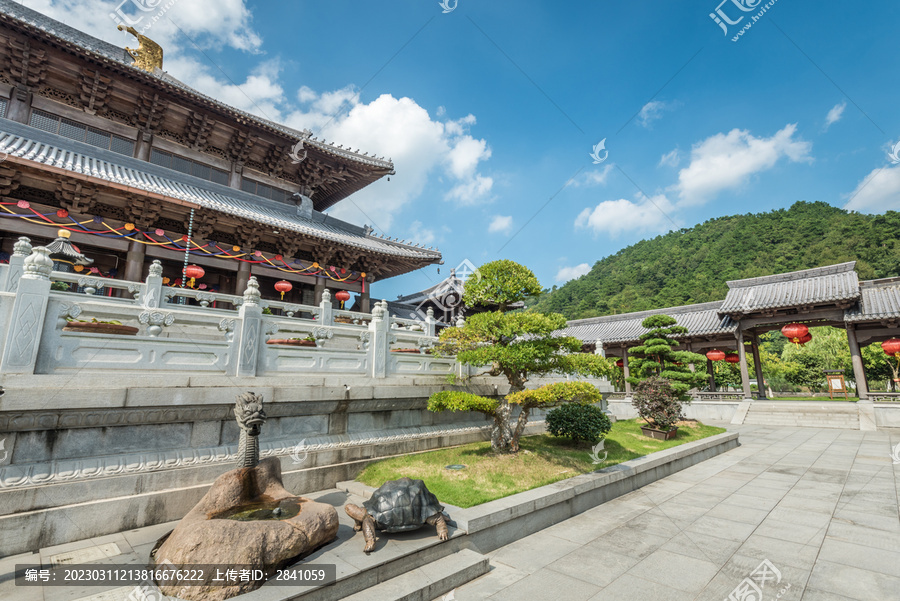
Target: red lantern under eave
[[794, 332], [343, 296], [715, 355], [804, 339], [195, 272], [732, 358], [282, 287], [891, 347], [620, 363]]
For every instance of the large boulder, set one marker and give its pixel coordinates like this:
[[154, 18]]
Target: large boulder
[[203, 537]]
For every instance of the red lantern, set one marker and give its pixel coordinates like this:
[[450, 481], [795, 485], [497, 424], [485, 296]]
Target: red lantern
[[715, 355], [195, 272], [732, 358], [282, 287], [891, 347], [794, 332], [620, 363], [343, 296], [805, 339]]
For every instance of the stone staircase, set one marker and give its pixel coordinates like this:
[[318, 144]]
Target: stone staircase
[[808, 414]]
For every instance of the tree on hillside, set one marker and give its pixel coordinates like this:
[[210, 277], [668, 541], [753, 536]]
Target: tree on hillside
[[656, 357], [516, 346]]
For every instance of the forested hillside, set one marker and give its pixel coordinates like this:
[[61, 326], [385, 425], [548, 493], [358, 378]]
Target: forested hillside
[[692, 265]]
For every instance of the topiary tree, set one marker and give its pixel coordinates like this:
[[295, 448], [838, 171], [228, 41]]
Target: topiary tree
[[501, 283], [516, 346], [581, 423], [656, 357], [657, 401]]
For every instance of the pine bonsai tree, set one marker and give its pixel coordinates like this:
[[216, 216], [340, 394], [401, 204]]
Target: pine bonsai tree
[[656, 357], [514, 345]]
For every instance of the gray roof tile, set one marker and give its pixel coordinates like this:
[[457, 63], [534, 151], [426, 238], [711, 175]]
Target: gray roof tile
[[49, 149], [880, 300], [701, 320], [822, 285]]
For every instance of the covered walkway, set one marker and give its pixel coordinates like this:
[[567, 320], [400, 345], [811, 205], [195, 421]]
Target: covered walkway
[[825, 296]]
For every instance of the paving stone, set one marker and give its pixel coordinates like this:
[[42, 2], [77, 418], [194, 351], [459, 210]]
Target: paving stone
[[728, 529], [533, 552], [547, 585], [596, 565], [481, 588], [631, 588], [797, 533], [853, 582], [710, 548], [684, 573], [860, 556]]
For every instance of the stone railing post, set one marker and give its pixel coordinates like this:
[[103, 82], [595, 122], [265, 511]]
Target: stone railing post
[[248, 339], [151, 295], [21, 251], [326, 313], [429, 322], [380, 343], [27, 318]]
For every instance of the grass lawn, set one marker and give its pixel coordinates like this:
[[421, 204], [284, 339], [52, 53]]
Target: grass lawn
[[543, 459]]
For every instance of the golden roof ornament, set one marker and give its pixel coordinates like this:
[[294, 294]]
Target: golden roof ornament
[[149, 55]]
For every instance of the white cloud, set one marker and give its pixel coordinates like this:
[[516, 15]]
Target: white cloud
[[652, 111], [595, 177], [877, 192], [835, 114], [728, 161], [419, 234], [570, 273], [613, 217], [500, 223], [670, 158]]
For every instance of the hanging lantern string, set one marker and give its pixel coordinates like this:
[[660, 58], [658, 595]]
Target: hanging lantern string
[[187, 248]]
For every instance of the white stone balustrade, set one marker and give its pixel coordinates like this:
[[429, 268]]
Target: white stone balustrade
[[180, 331]]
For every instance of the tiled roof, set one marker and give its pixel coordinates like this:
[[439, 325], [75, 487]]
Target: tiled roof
[[700, 320], [114, 53], [52, 150], [822, 285], [880, 300]]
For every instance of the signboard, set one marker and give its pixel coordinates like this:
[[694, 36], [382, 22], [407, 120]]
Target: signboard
[[836, 384]]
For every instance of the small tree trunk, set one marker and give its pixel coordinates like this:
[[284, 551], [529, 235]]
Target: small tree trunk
[[501, 435], [520, 428]]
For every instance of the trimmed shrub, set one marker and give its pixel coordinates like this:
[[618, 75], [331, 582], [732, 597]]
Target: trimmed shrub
[[657, 402], [581, 423]]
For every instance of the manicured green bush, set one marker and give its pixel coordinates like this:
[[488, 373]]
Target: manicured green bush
[[581, 423]]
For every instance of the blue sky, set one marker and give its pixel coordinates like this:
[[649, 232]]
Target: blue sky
[[491, 111]]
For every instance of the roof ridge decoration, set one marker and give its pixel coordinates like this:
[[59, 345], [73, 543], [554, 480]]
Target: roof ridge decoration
[[106, 52], [148, 56], [791, 276]]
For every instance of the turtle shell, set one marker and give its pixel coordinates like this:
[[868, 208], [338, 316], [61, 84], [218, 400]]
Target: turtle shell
[[403, 504]]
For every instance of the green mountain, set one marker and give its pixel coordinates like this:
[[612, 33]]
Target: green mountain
[[692, 265]]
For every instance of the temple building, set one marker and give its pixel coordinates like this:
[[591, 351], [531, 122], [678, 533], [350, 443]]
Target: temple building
[[100, 141], [868, 310]]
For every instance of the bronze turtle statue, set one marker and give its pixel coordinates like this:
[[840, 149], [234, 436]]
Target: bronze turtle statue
[[398, 506]]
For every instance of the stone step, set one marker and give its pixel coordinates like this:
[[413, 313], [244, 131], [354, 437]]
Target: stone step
[[429, 581]]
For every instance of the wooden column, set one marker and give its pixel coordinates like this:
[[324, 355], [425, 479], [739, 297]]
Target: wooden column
[[365, 302], [745, 372], [243, 276], [626, 372], [320, 288], [859, 371], [134, 262], [760, 385], [711, 370]]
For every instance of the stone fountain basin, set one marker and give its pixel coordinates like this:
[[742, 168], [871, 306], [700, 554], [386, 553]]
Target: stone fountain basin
[[234, 525]]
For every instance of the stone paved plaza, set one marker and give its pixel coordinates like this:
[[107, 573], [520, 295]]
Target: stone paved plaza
[[820, 505]]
